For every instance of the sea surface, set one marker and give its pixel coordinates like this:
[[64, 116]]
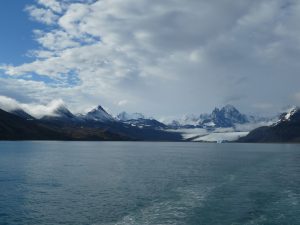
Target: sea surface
[[149, 183]]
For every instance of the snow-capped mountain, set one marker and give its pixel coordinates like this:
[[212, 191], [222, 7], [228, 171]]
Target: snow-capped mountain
[[124, 116], [146, 123], [62, 113], [174, 124], [225, 124], [187, 121], [227, 116], [99, 114], [139, 120], [291, 115], [286, 129], [191, 119]]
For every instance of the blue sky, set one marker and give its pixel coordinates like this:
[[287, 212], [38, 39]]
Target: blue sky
[[162, 58], [16, 31]]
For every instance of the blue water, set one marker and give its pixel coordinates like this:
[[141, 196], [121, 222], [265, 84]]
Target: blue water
[[149, 183]]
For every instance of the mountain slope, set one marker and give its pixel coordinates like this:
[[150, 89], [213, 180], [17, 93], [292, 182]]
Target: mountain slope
[[287, 129], [60, 113], [13, 127], [21, 113], [99, 114], [226, 117], [64, 126]]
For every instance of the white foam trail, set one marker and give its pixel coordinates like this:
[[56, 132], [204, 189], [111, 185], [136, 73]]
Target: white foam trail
[[172, 211]]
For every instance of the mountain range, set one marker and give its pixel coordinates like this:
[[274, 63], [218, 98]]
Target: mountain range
[[225, 117], [224, 123], [62, 124]]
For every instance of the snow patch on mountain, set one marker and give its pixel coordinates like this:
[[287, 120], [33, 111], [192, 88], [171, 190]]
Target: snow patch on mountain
[[290, 113], [287, 116]]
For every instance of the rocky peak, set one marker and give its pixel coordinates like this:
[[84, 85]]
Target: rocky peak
[[99, 114]]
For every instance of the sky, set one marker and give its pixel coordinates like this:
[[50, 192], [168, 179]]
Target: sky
[[161, 58]]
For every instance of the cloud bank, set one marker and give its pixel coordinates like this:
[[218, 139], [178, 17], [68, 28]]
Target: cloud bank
[[162, 57], [35, 110]]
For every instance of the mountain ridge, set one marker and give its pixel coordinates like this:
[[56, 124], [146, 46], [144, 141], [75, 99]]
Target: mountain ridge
[[97, 124], [224, 117], [61, 124], [286, 129]]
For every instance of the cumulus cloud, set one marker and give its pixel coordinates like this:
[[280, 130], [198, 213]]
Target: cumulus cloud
[[54, 5], [56, 40], [167, 57], [43, 15]]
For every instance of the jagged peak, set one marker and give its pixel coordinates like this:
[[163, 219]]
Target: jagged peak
[[61, 110], [216, 109], [229, 107], [98, 108], [99, 114], [61, 107]]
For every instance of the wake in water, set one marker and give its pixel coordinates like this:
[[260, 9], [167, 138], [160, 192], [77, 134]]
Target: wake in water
[[143, 184], [171, 211]]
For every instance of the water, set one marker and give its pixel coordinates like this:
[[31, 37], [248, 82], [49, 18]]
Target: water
[[148, 183]]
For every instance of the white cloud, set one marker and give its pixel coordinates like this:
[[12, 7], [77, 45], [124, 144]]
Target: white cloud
[[43, 15], [252, 126], [168, 56], [54, 5], [36, 110], [39, 111], [122, 102], [56, 40], [8, 104]]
